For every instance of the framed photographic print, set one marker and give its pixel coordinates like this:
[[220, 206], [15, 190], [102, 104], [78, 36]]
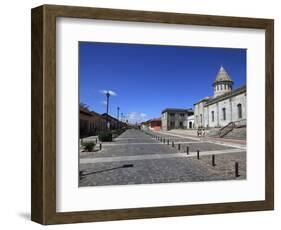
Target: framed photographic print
[[140, 114]]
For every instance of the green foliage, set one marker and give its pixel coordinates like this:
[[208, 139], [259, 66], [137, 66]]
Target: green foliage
[[89, 146], [105, 136]]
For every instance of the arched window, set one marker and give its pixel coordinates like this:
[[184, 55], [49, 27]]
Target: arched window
[[239, 110], [223, 114], [213, 116]]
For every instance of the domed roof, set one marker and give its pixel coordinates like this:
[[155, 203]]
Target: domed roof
[[222, 76]]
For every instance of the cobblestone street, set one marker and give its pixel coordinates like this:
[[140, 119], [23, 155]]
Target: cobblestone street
[[136, 157]]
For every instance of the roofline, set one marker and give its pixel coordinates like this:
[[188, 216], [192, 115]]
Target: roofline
[[202, 100], [235, 92], [106, 114], [177, 110], [150, 120], [82, 110]]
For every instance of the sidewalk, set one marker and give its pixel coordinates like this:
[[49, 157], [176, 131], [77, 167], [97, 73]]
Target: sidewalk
[[192, 134]]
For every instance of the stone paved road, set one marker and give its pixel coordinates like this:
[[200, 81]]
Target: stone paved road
[[166, 169]]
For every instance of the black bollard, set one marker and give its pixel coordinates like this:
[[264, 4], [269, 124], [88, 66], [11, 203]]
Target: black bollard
[[100, 146], [164, 140], [236, 169], [187, 150], [213, 160], [173, 144], [179, 146], [198, 157], [168, 142]]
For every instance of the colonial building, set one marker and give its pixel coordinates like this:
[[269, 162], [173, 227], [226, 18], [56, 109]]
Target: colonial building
[[90, 123], [225, 106], [175, 118], [112, 122]]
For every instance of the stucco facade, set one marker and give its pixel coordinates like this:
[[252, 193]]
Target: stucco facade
[[172, 118], [224, 107]]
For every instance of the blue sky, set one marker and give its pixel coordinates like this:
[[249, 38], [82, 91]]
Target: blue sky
[[150, 78]]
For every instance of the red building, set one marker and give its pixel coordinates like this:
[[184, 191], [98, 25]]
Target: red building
[[153, 124]]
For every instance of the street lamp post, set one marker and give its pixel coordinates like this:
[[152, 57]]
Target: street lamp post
[[107, 101], [118, 117], [118, 112]]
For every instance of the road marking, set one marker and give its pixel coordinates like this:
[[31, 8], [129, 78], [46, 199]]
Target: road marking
[[155, 156]]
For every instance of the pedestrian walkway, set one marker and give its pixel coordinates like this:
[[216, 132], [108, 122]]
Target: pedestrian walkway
[[152, 160], [227, 142], [155, 156]]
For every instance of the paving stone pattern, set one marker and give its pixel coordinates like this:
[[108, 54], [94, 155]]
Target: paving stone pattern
[[160, 170]]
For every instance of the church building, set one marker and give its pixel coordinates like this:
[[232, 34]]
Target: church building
[[225, 106]]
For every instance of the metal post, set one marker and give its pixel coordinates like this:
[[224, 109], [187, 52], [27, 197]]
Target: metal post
[[236, 169], [187, 150], [213, 160], [107, 101], [179, 146], [118, 108], [198, 157], [100, 146], [173, 144], [168, 142], [164, 140]]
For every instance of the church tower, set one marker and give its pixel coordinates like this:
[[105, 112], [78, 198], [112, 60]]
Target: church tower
[[223, 83]]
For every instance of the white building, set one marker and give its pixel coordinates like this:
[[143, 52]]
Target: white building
[[190, 122], [227, 105], [175, 118]]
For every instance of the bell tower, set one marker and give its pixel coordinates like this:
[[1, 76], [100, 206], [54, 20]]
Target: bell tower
[[223, 83]]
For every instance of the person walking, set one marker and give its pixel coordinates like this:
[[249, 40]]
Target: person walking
[[198, 132], [203, 132]]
